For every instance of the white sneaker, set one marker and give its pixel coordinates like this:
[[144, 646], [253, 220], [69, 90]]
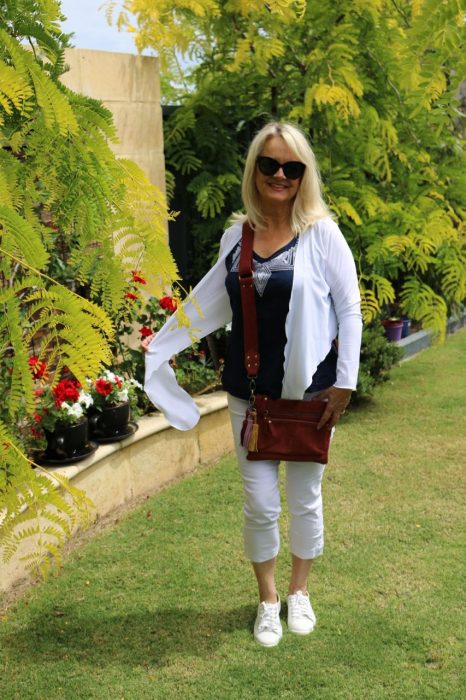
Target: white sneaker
[[301, 617], [267, 627]]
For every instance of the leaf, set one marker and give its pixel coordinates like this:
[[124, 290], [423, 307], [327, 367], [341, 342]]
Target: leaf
[[369, 304]]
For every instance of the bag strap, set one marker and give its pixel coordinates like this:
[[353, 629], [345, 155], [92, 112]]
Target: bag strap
[[248, 303]]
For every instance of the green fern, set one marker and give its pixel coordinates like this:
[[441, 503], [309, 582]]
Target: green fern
[[369, 304], [454, 275], [421, 302], [209, 195], [50, 98], [14, 90], [21, 239], [183, 158], [62, 193]]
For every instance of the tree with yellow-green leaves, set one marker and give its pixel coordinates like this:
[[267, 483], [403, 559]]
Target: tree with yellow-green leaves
[[374, 83], [61, 188]]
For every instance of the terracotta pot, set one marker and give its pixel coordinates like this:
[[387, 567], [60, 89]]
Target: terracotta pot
[[67, 441], [110, 422]]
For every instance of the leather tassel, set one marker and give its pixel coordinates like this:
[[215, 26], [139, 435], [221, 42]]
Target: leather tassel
[[247, 428], [254, 438]]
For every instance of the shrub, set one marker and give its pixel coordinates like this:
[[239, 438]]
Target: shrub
[[378, 356]]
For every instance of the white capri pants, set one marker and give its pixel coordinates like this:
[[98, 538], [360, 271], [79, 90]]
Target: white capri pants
[[262, 500]]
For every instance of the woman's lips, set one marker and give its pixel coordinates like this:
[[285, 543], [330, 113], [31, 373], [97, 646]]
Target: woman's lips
[[279, 186]]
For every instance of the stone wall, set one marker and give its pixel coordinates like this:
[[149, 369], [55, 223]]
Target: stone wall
[[130, 87]]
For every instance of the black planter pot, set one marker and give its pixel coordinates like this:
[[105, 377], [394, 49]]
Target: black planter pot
[[110, 422], [67, 441]]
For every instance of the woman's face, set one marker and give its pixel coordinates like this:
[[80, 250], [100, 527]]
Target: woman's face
[[276, 189]]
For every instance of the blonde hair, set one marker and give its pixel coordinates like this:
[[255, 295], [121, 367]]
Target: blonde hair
[[308, 206]]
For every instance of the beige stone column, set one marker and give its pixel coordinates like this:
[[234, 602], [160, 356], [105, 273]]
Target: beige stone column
[[129, 86]]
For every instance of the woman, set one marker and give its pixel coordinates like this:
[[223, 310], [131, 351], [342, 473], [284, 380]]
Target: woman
[[306, 294]]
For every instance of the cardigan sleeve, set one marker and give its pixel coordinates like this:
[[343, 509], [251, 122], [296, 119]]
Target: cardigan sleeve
[[207, 308], [342, 279]]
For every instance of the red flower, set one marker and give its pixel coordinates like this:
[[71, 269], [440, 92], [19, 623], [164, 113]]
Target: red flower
[[137, 277], [168, 303], [37, 418], [38, 369], [130, 295], [145, 331], [103, 387], [66, 390]]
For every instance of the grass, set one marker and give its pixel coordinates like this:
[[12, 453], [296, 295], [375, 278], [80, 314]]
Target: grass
[[162, 605]]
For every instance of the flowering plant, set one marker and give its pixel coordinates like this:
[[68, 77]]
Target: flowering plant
[[157, 312], [110, 389], [64, 403]]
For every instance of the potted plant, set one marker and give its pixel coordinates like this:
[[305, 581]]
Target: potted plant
[[114, 400], [393, 327], [406, 326], [60, 427]]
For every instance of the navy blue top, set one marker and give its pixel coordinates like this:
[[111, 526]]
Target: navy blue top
[[273, 279]]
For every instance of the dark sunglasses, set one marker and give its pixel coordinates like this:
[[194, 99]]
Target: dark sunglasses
[[292, 170]]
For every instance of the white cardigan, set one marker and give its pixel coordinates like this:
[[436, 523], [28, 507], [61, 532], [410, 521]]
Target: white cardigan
[[324, 301]]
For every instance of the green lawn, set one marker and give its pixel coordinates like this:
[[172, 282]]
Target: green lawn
[[162, 605]]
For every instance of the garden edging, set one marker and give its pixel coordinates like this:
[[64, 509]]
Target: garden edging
[[420, 340], [118, 474]]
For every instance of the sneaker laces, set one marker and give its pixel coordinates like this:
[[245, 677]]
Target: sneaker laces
[[300, 606], [268, 618]]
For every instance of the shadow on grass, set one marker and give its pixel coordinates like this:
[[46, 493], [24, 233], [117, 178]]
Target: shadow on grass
[[151, 637]]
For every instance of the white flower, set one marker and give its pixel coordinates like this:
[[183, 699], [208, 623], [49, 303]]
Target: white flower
[[75, 410], [85, 399], [122, 395], [135, 383], [112, 377]]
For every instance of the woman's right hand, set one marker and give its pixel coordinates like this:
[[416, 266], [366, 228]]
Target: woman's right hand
[[145, 343]]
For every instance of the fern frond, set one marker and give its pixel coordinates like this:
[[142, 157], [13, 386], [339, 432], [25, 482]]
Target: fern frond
[[453, 269], [383, 289], [369, 304], [350, 77], [336, 96], [431, 92], [93, 116], [422, 303], [21, 238], [397, 244], [371, 201], [182, 158], [15, 91], [345, 206], [180, 122], [55, 107], [209, 195], [21, 386], [74, 328]]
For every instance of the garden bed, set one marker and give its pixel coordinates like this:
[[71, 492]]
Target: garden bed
[[121, 473]]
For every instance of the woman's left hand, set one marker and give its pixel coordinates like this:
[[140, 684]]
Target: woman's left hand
[[337, 401]]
